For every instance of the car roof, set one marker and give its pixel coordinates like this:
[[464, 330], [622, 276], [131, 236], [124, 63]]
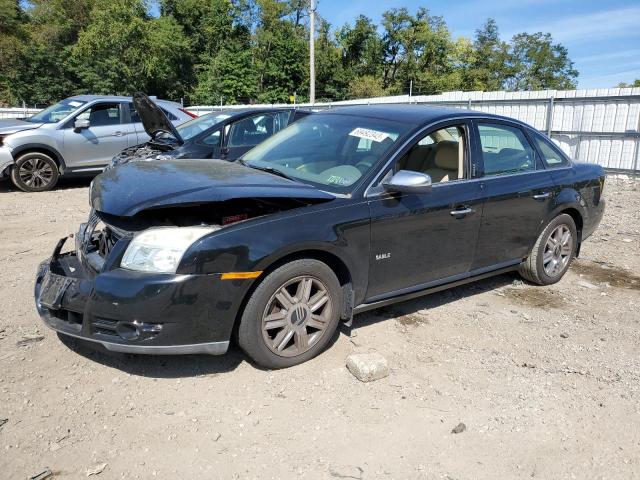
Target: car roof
[[413, 114], [112, 98], [242, 111]]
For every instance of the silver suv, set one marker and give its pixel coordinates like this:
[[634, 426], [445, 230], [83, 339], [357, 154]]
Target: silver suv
[[79, 135]]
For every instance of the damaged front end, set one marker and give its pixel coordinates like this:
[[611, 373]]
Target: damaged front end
[[122, 284]]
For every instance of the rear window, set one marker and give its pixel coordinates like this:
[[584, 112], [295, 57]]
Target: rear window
[[551, 157]]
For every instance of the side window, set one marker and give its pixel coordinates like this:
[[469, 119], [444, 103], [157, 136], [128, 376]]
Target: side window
[[212, 139], [102, 115], [253, 130], [505, 150], [551, 157], [439, 154], [135, 118]]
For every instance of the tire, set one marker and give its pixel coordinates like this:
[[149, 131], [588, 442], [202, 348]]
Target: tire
[[35, 172], [275, 335], [539, 267]]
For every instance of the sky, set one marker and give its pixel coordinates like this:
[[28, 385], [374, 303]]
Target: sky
[[603, 37]]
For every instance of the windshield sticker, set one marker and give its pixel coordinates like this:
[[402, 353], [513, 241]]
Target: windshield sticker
[[73, 103], [369, 134], [338, 180]]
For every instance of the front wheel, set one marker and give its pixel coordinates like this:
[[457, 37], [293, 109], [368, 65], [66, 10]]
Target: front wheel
[[552, 253], [292, 314], [35, 172]]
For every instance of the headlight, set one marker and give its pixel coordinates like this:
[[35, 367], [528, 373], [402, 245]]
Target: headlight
[[160, 250]]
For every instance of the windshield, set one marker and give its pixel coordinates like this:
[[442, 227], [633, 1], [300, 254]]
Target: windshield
[[330, 151], [57, 112], [198, 125]]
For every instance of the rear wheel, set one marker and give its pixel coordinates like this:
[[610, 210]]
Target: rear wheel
[[552, 253], [292, 314], [35, 172]]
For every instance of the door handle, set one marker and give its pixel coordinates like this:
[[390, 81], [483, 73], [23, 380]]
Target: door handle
[[462, 212], [542, 196], [118, 134]]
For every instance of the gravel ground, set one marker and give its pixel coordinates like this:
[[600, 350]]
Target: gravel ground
[[545, 379]]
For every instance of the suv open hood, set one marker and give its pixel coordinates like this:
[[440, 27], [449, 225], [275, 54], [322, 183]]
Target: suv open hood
[[133, 187], [13, 125], [153, 118]]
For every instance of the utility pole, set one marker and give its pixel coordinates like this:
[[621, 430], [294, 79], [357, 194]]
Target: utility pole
[[312, 53]]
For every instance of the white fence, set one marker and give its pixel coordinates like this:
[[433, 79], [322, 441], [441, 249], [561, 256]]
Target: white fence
[[17, 112], [597, 126]]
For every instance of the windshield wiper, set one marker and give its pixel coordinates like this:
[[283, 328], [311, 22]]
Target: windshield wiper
[[271, 170]]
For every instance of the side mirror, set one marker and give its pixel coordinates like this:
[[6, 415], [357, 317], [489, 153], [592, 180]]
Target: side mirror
[[406, 181], [80, 124]]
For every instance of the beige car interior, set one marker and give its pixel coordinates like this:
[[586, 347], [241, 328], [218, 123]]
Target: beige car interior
[[440, 155]]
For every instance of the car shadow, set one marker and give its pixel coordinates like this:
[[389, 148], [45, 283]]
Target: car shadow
[[184, 366], [64, 183], [430, 301], [157, 366]]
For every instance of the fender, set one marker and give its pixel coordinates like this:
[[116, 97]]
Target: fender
[[41, 147], [256, 247], [568, 198]]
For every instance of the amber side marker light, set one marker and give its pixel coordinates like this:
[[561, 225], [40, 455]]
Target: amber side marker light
[[239, 275]]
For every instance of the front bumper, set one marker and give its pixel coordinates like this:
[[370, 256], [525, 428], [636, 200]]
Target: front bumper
[[140, 313], [6, 159]]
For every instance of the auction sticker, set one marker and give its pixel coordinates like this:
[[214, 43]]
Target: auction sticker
[[374, 135]]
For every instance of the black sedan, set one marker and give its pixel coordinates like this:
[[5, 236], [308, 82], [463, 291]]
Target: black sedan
[[225, 135], [339, 213]]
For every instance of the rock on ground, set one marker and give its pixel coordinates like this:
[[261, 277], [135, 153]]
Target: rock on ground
[[367, 367]]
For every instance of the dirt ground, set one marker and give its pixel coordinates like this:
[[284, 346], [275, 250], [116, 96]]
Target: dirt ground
[[546, 380]]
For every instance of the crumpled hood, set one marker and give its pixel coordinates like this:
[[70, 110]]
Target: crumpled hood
[[12, 125], [153, 118], [137, 186]]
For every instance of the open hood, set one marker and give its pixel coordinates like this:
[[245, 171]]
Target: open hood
[[153, 119], [137, 186], [9, 126]]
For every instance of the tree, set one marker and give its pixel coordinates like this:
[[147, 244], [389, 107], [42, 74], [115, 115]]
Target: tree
[[366, 86], [488, 66], [228, 76], [636, 83], [539, 64], [362, 48], [123, 50], [12, 42], [281, 59]]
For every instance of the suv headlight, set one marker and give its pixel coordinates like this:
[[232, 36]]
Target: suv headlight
[[159, 250]]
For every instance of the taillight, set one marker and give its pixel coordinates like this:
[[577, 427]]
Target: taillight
[[187, 112]]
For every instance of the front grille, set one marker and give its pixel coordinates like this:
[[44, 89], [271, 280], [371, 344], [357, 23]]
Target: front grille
[[105, 326], [96, 240]]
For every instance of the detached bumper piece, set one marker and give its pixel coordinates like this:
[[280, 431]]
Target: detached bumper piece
[[126, 311]]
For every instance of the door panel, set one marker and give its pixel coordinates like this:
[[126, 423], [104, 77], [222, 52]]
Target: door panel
[[416, 238], [512, 217], [518, 191], [95, 146]]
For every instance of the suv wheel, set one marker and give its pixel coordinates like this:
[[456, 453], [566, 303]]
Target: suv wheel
[[292, 314], [35, 172], [552, 253]]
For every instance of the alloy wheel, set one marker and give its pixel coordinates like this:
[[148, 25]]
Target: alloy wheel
[[297, 316], [557, 250], [35, 173]]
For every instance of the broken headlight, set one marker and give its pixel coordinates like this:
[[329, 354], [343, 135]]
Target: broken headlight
[[159, 250]]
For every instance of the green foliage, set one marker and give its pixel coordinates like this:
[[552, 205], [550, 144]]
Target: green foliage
[[538, 64], [636, 83], [246, 51]]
